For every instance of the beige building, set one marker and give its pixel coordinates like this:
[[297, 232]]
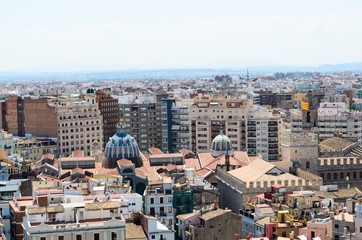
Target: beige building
[[80, 124], [214, 224], [34, 149], [299, 148], [250, 128]]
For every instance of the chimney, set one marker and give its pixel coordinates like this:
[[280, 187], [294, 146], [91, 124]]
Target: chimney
[[249, 236], [291, 235], [236, 236], [215, 206]]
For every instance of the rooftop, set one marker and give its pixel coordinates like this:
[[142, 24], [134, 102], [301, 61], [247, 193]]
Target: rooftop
[[212, 214], [334, 144], [134, 231]]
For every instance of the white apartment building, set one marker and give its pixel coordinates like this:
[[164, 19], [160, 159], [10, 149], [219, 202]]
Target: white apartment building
[[6, 142], [158, 201], [249, 127], [76, 219], [346, 123], [80, 124]]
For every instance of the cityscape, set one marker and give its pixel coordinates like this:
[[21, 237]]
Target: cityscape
[[180, 121]]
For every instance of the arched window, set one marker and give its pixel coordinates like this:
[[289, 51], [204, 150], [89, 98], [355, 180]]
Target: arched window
[[354, 175], [328, 175], [322, 176], [307, 165], [335, 175], [348, 175], [360, 174], [341, 175]]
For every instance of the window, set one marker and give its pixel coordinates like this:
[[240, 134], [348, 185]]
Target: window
[[169, 199], [161, 199], [152, 201], [336, 226], [153, 237], [96, 236], [307, 165], [114, 236], [43, 238], [170, 209], [60, 237], [78, 237]]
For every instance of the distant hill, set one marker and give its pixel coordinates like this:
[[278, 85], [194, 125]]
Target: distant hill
[[354, 67]]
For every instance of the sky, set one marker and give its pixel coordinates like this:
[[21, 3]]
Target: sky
[[77, 35]]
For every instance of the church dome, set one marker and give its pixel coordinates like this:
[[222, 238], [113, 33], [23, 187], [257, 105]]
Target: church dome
[[221, 145], [90, 91], [121, 146]]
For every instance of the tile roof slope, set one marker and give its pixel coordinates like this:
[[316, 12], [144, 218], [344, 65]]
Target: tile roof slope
[[239, 159], [186, 215], [78, 153], [154, 150], [334, 144], [257, 171], [101, 205], [124, 162], [213, 213], [192, 163], [341, 193], [134, 231], [264, 220]]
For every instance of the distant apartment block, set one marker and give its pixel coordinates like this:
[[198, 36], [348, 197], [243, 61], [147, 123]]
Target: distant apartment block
[[15, 115], [175, 125], [80, 124], [34, 149], [110, 113], [250, 128], [143, 122]]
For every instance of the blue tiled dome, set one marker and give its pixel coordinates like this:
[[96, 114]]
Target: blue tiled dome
[[221, 145], [121, 145]]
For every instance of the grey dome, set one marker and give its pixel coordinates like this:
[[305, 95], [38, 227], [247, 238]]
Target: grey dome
[[221, 145], [121, 146]]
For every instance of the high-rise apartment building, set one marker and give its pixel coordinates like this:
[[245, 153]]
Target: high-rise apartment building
[[3, 123], [175, 124], [250, 128], [143, 122], [80, 124], [110, 113], [15, 115]]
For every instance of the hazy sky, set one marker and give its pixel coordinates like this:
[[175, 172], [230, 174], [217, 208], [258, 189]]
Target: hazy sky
[[96, 35]]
